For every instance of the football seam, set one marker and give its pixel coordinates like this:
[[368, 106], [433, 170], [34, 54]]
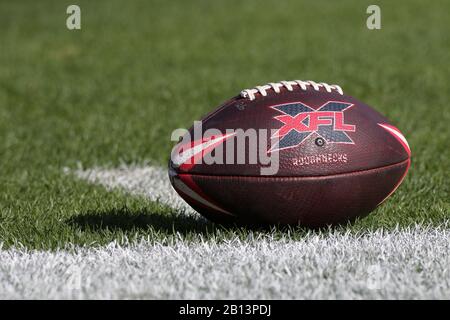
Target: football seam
[[299, 177]]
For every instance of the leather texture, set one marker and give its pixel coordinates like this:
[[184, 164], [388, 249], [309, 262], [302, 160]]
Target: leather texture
[[315, 185]]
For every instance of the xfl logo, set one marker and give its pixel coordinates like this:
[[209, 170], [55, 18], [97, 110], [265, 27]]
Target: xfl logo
[[300, 121]]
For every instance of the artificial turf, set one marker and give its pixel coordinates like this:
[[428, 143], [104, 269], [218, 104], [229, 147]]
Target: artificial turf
[[112, 93]]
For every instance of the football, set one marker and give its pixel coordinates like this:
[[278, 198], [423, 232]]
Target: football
[[290, 152]]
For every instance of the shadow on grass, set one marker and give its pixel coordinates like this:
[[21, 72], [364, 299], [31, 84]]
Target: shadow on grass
[[127, 220]]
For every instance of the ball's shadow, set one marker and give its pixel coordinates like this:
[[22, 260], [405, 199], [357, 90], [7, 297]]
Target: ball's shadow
[[128, 220]]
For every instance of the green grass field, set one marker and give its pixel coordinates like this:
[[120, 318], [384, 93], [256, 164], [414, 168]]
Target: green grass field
[[112, 92]]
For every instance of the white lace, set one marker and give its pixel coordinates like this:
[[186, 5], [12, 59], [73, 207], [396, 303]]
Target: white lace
[[289, 85]]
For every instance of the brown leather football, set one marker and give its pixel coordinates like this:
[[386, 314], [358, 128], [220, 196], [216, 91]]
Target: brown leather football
[[292, 152]]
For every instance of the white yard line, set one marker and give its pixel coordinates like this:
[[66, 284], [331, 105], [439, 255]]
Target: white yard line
[[151, 182], [412, 263], [404, 263]]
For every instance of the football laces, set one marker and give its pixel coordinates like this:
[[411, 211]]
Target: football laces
[[289, 85]]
